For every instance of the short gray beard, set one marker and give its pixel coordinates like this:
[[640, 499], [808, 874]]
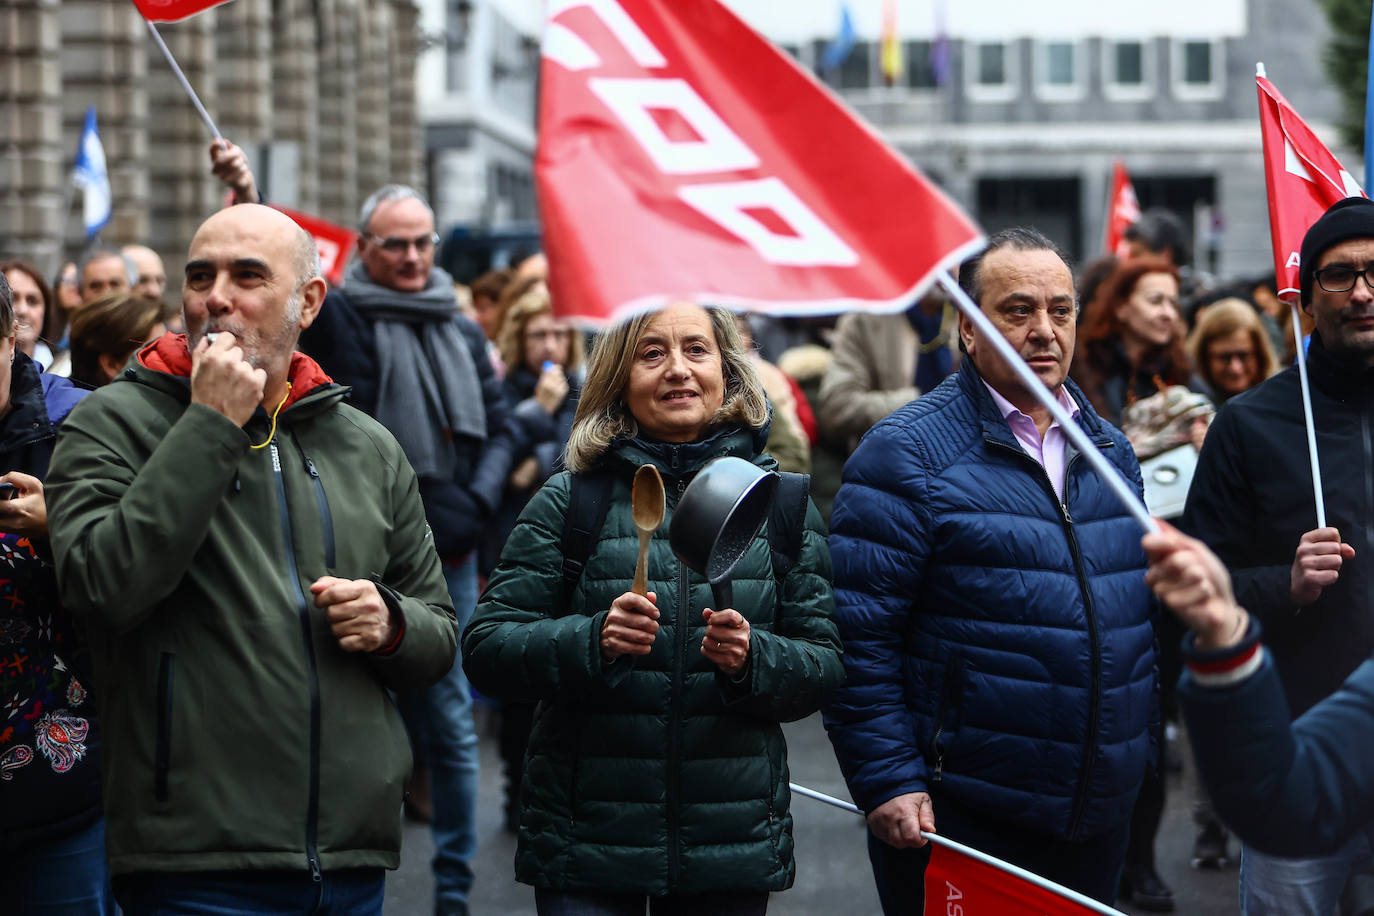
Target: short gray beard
[[256, 351]]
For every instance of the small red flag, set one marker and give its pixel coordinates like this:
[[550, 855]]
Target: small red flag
[[1302, 178], [956, 882], [682, 156], [172, 10], [334, 242], [1122, 210]]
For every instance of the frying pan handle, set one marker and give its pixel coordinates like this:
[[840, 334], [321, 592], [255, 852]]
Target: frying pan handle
[[723, 593]]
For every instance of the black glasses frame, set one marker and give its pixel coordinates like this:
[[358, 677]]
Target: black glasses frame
[[1326, 272]]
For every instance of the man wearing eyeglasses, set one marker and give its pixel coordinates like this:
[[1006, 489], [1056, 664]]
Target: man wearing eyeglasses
[[1251, 501], [394, 333]]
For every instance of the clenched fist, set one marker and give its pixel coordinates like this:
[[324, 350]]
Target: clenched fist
[[223, 380]]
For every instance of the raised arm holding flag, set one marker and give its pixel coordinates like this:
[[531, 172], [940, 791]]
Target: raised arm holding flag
[[1252, 496]]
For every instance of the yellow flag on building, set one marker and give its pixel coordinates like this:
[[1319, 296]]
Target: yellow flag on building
[[891, 53]]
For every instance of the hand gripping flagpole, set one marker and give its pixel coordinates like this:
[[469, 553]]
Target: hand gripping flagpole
[[1071, 429], [1307, 416], [185, 83], [983, 857]]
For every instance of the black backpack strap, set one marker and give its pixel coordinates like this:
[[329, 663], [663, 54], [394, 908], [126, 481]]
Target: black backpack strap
[[787, 522], [589, 497]]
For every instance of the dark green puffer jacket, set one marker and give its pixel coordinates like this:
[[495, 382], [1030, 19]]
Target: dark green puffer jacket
[[238, 735], [653, 774]]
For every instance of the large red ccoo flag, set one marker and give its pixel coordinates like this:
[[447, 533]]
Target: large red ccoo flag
[[172, 10], [1302, 178], [682, 156]]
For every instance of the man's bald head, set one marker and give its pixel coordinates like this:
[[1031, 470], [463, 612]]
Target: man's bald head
[[252, 271], [152, 276]]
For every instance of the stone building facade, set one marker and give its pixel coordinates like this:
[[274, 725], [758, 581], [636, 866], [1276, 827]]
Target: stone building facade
[[321, 93]]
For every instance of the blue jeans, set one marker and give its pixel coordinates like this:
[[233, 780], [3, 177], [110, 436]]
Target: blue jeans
[[355, 892], [1310, 886], [440, 723], [63, 877], [602, 903]]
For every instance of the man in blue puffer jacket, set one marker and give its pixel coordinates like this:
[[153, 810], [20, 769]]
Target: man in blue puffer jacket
[[999, 637]]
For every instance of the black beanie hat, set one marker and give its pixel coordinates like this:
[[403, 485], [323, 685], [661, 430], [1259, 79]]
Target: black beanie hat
[[1348, 218]]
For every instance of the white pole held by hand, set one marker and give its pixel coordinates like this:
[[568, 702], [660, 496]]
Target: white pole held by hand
[[1307, 417], [185, 83], [983, 857], [1072, 430]]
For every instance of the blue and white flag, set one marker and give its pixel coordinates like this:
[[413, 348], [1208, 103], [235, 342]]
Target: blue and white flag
[[842, 44], [91, 176]]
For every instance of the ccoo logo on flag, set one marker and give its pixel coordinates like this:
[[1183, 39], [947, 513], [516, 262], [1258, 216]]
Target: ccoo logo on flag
[[678, 159]]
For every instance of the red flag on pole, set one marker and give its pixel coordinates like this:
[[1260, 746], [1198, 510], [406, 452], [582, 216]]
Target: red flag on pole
[[1302, 178], [963, 881], [1122, 210], [334, 243], [173, 10], [682, 156]]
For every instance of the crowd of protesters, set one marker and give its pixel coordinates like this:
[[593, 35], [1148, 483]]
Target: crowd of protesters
[[250, 528]]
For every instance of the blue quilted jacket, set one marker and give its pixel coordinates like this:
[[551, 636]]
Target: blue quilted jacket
[[999, 646]]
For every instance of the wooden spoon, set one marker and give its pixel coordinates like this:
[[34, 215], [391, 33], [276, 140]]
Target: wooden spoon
[[647, 506]]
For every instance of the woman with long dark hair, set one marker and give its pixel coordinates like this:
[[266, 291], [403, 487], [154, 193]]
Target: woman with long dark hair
[[1131, 339]]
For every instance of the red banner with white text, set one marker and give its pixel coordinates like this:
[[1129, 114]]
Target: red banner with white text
[[682, 156], [1122, 211], [173, 10], [958, 884], [1302, 178], [334, 243]]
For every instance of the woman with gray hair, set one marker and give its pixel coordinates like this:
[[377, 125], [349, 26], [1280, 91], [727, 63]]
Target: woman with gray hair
[[657, 767]]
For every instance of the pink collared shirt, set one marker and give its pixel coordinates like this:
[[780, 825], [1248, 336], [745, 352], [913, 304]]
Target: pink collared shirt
[[1050, 452]]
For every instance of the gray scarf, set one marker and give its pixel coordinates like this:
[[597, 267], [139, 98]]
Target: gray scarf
[[428, 389]]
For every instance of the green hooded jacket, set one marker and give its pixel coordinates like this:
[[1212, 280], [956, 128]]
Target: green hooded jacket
[[239, 736], [653, 774]]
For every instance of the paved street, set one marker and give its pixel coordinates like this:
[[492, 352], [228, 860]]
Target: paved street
[[832, 869]]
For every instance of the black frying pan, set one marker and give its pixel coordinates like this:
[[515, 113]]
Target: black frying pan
[[718, 517]]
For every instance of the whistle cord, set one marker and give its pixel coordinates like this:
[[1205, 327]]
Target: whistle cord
[[273, 431]]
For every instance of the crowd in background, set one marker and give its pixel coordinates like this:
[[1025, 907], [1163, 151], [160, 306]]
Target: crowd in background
[[1160, 348]]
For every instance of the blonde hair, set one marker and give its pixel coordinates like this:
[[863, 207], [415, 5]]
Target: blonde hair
[[511, 340], [602, 414], [1222, 319]]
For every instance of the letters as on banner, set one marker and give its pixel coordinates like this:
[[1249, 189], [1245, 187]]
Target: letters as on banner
[[1302, 177], [173, 10], [681, 156], [960, 885]]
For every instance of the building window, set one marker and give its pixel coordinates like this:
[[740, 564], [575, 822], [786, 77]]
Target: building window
[[1127, 68], [1197, 69], [992, 64], [856, 72], [1059, 71], [928, 64], [991, 71]]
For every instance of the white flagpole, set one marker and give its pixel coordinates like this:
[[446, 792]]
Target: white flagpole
[[1307, 416], [185, 83], [1075, 433], [983, 857]]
